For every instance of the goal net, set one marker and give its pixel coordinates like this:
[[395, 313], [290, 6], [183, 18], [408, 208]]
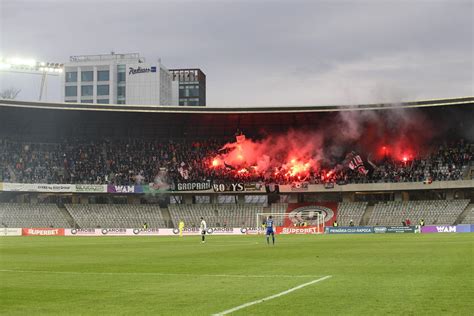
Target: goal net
[[313, 221]]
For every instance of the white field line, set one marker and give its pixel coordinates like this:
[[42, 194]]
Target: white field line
[[161, 274], [271, 297]]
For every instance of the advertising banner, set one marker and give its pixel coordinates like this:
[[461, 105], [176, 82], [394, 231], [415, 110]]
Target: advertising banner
[[298, 230], [121, 188], [38, 187], [6, 231], [350, 230], [446, 229], [82, 232], [145, 232], [396, 229], [42, 231], [91, 188], [114, 231]]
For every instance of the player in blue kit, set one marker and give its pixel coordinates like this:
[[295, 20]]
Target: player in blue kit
[[269, 225]]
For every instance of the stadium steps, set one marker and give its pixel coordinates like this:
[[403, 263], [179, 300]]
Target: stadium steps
[[464, 213], [67, 216], [367, 215], [167, 218]]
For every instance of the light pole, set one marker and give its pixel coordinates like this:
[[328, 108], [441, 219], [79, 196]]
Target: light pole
[[31, 66]]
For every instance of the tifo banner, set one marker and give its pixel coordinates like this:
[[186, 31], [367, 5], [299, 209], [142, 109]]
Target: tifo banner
[[238, 187], [350, 230], [447, 229], [192, 186], [396, 229], [42, 231], [6, 231], [299, 213], [298, 230]]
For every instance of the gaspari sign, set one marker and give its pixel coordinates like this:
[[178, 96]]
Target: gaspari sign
[[140, 70]]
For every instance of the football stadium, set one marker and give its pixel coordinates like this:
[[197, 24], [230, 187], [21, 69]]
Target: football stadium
[[331, 210]]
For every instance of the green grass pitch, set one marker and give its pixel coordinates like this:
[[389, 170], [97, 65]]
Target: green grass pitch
[[406, 274]]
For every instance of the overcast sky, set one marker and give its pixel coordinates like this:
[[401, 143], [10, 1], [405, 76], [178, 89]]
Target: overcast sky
[[261, 53]]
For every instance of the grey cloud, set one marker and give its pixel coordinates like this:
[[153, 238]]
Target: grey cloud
[[267, 52]]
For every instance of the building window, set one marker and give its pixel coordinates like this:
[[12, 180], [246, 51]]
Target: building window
[[103, 75], [121, 92], [121, 102], [71, 91], [71, 101], [87, 91], [103, 89], [71, 76], [120, 73], [86, 101], [103, 101], [87, 76]]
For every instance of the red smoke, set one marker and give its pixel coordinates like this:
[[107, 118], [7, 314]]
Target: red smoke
[[398, 134]]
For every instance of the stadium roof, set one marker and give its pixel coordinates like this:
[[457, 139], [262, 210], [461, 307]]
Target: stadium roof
[[233, 110], [48, 120]]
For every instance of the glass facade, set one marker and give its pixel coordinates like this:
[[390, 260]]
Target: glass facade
[[120, 73], [86, 101], [103, 89], [71, 91], [71, 76], [87, 91], [103, 101], [87, 76], [103, 75], [121, 92]]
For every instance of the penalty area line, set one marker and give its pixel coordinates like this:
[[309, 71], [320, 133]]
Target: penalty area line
[[271, 297]]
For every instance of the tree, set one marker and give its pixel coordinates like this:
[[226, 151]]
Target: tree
[[10, 93]]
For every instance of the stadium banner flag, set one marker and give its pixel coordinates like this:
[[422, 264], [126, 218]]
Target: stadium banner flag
[[6, 231], [446, 229], [39, 187], [156, 188], [297, 230], [192, 186], [228, 187], [120, 188], [300, 213], [350, 230], [299, 186], [91, 188], [42, 231]]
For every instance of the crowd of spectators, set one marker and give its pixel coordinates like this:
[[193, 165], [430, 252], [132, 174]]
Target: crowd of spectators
[[139, 161]]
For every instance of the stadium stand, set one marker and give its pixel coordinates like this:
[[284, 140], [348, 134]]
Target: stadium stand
[[432, 211], [116, 215], [469, 219], [216, 215], [136, 161], [31, 215], [347, 211]]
